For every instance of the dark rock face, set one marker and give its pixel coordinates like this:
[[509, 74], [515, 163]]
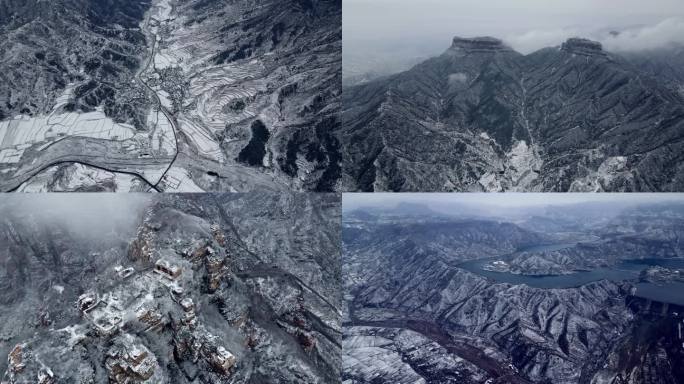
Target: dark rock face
[[483, 117], [253, 153], [583, 47]]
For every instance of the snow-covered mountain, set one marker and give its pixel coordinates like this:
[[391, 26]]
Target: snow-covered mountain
[[210, 288], [170, 95], [483, 117]]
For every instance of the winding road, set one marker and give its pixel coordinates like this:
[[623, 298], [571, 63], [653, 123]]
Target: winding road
[[114, 155], [13, 184], [160, 106]]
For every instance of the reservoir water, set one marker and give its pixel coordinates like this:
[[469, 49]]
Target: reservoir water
[[627, 270]]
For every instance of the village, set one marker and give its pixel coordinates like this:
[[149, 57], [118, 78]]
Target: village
[[147, 301], [158, 294]]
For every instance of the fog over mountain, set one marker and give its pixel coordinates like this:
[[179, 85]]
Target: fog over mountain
[[483, 117], [85, 215], [412, 30], [631, 38], [170, 288], [483, 201], [574, 290]]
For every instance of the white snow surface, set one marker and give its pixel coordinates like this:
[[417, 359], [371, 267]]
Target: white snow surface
[[22, 132]]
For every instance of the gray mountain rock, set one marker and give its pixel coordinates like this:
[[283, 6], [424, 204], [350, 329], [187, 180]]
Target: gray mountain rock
[[204, 288], [416, 313], [482, 117], [46, 46]]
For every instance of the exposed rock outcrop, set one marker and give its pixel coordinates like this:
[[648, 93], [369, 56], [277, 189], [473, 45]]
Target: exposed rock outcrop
[[482, 117], [478, 44], [583, 47]]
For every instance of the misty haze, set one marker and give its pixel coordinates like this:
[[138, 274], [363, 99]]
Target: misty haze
[[170, 288], [411, 30], [529, 96], [513, 288]]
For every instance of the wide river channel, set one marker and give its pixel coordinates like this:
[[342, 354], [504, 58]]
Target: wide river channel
[[672, 292]]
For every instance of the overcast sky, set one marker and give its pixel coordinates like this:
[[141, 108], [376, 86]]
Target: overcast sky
[[87, 214], [352, 201], [526, 25]]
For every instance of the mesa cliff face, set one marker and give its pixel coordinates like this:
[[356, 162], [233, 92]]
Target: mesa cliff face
[[583, 47], [482, 117]]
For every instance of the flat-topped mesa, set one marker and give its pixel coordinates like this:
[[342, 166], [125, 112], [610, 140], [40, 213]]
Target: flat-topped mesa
[[584, 47], [479, 44]]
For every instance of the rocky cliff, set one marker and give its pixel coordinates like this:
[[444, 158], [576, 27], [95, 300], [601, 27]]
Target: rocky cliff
[[482, 117], [199, 289]]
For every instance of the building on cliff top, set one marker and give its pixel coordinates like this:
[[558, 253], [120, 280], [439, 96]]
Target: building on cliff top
[[166, 269]]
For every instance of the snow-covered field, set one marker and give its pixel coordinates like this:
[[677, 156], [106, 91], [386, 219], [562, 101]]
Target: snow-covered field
[[80, 177], [216, 88], [523, 161], [202, 139], [22, 132], [178, 180], [163, 140]]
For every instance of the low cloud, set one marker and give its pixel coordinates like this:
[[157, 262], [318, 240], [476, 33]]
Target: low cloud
[[456, 78], [667, 32], [89, 215], [533, 40], [351, 201], [657, 36]]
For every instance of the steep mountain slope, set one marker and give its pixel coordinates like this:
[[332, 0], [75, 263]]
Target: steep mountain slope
[[262, 81], [483, 117], [412, 288], [414, 314], [665, 65]]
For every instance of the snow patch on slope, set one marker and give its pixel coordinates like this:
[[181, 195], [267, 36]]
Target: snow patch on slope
[[611, 169], [22, 132], [521, 169]]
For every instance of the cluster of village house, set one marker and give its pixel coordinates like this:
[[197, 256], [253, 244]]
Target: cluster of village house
[[129, 360], [107, 314], [135, 299], [17, 364]]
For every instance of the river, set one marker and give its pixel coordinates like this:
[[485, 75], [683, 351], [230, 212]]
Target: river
[[626, 270]]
